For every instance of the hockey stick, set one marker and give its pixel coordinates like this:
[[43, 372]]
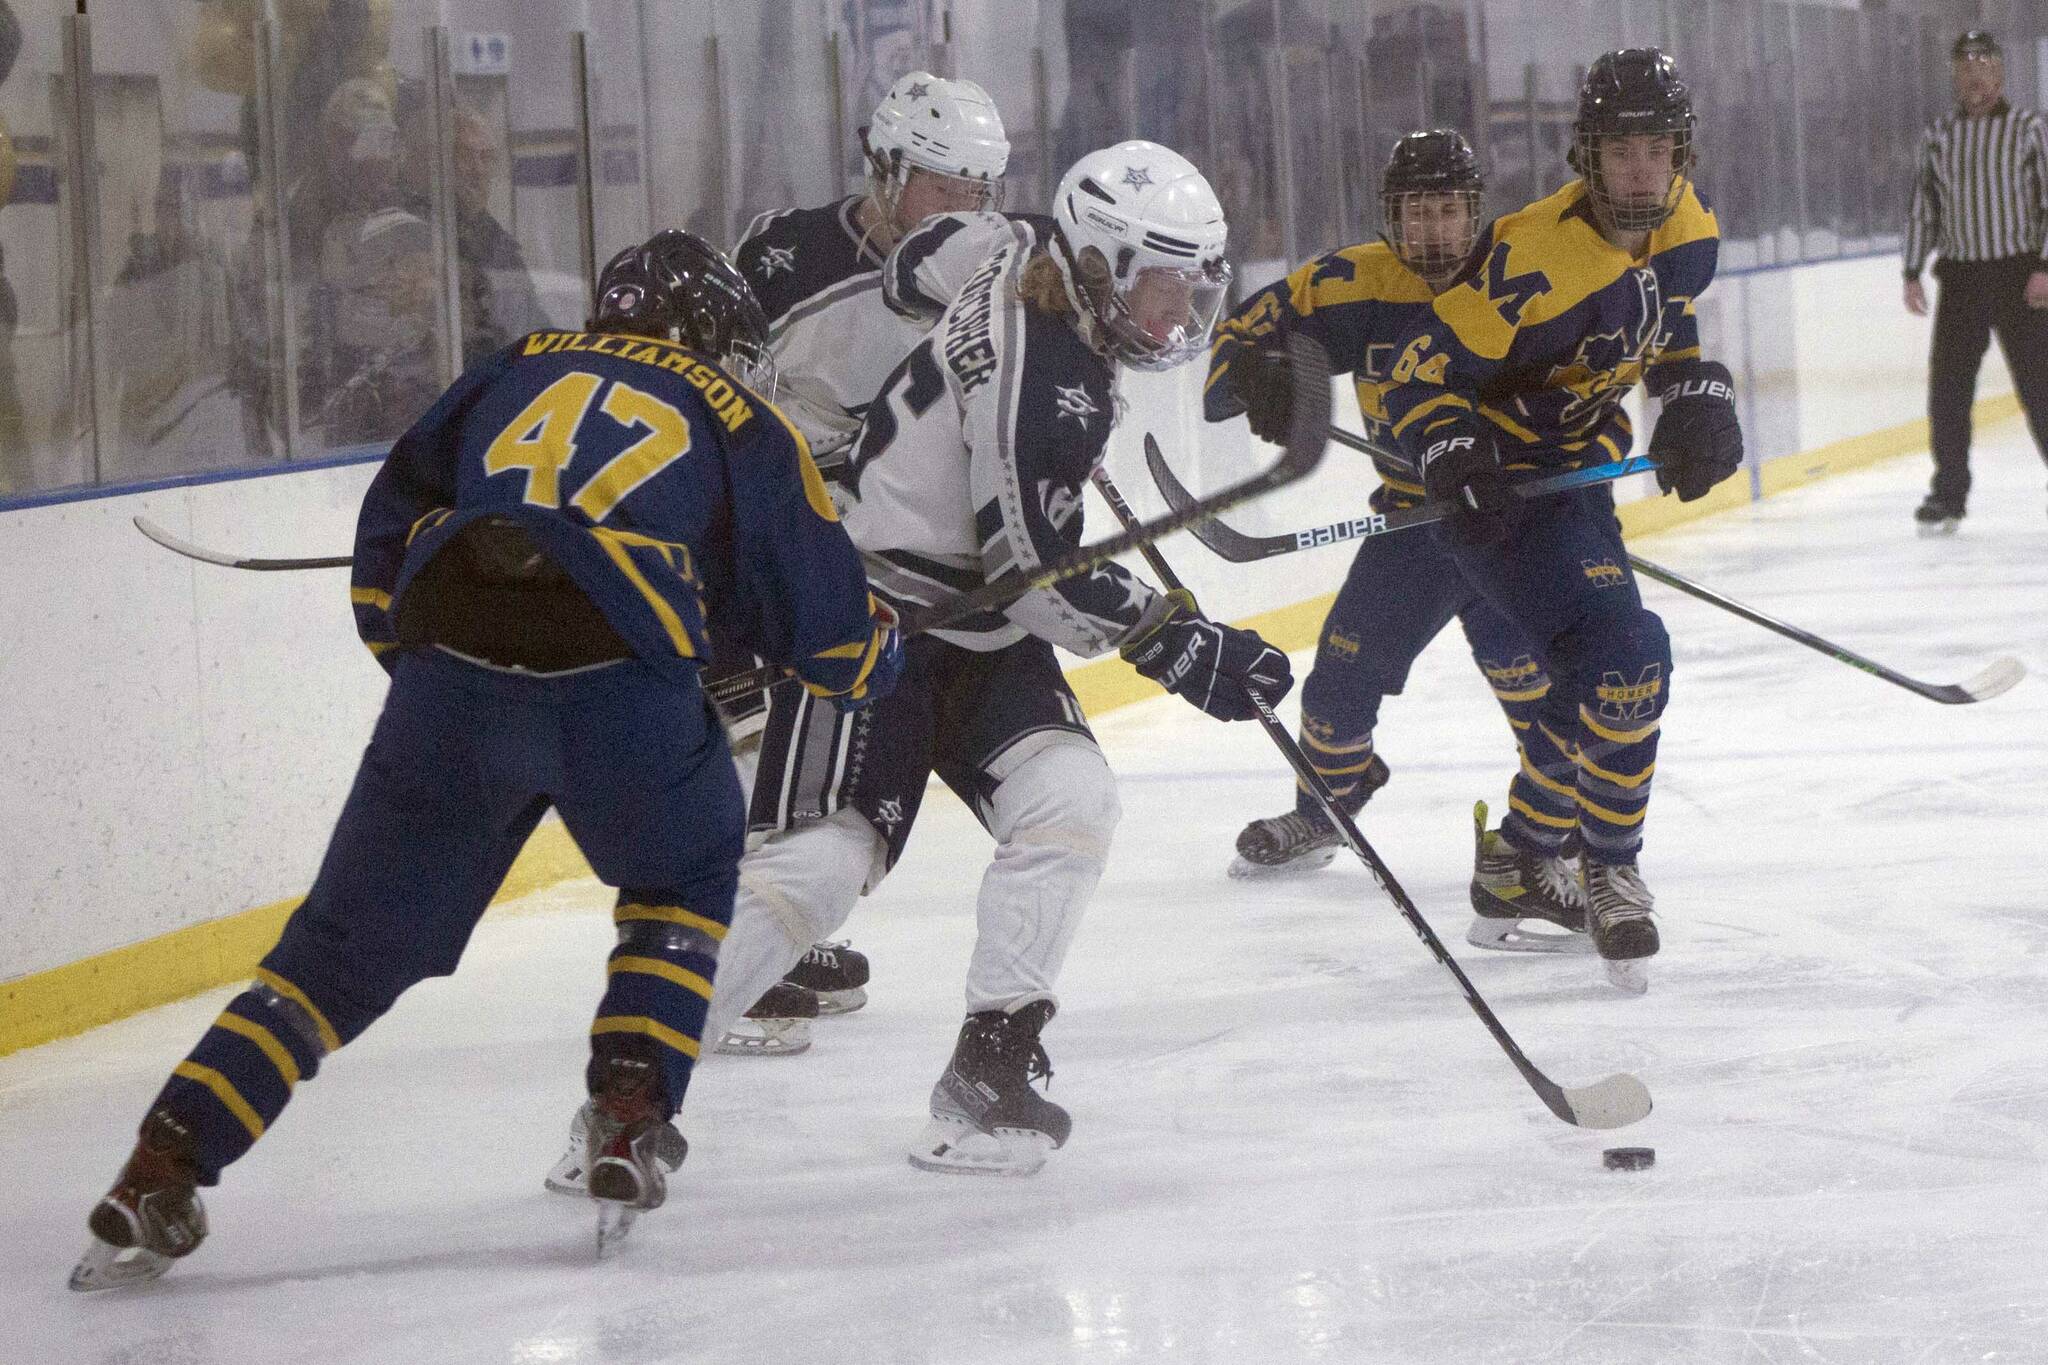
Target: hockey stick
[[1615, 1102], [228, 561], [1239, 548], [1994, 678], [1307, 437]]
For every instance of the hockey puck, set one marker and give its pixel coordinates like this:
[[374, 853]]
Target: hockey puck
[[1629, 1158]]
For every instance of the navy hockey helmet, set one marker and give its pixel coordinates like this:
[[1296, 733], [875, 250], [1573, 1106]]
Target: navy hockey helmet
[[1437, 162], [1631, 91], [678, 285]]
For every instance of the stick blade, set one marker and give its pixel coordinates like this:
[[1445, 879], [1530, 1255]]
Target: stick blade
[[1995, 678], [181, 547], [1616, 1102]]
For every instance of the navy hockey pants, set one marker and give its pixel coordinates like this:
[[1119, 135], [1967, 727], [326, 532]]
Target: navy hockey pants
[[463, 763], [1562, 578], [1402, 590]]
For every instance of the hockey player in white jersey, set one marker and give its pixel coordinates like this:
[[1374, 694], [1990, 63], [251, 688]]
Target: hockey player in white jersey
[[932, 146], [971, 462]]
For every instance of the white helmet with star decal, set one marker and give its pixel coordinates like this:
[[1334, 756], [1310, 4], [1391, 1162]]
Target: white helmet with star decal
[[945, 127], [1144, 236]]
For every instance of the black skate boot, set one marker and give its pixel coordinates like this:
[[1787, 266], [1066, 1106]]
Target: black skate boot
[[1623, 931], [837, 973], [986, 1118], [1297, 842], [1937, 518], [626, 1170], [777, 1025], [1509, 885], [151, 1217], [569, 1174]]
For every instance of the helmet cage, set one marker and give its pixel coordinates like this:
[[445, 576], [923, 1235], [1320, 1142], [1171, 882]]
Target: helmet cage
[[1632, 215], [1428, 259]]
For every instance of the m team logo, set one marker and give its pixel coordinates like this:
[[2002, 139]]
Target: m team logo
[[1603, 573], [1622, 700]]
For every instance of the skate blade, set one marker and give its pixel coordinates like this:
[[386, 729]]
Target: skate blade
[[614, 1221], [767, 1038], [1629, 974], [842, 1002], [1507, 936], [1244, 869], [105, 1266], [956, 1147], [1937, 529], [569, 1175]]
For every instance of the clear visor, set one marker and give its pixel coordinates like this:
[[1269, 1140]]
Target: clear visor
[[1165, 315]]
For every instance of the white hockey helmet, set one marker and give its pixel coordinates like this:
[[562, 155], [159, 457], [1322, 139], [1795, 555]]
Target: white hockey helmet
[[946, 127], [1144, 235]]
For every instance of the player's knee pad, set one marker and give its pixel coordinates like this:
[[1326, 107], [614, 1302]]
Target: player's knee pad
[[806, 880], [1063, 795], [1618, 649]]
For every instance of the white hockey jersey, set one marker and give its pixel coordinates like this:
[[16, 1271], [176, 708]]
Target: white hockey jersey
[[833, 337], [973, 455]]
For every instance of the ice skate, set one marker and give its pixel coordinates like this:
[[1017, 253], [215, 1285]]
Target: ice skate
[[986, 1118], [1936, 518], [1623, 931], [1510, 886], [626, 1175], [776, 1025], [1299, 842], [151, 1217], [568, 1175], [836, 973]]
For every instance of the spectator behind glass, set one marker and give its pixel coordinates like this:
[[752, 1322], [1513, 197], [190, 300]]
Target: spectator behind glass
[[357, 182], [499, 301], [382, 269]]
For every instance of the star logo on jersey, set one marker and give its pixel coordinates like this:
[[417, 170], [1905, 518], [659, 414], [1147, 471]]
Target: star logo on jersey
[[920, 91], [1060, 502], [1075, 403], [1137, 177], [1134, 600], [889, 812], [777, 260]]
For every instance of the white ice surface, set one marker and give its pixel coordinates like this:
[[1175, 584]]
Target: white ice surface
[[1292, 1140]]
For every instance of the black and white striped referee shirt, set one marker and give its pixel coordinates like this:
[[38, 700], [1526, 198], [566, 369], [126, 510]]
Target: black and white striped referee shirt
[[1982, 190]]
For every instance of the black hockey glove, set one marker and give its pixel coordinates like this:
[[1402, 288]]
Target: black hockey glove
[[1263, 380], [1209, 665], [1698, 441], [1461, 469]]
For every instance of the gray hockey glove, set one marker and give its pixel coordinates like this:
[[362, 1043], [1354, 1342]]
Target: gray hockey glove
[[1698, 441], [1209, 665]]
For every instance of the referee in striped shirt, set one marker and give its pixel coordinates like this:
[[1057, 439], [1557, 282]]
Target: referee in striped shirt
[[1981, 203]]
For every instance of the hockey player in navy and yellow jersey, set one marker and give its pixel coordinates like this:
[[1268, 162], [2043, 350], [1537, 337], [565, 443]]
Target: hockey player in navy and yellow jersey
[[1401, 590], [1523, 365], [533, 564]]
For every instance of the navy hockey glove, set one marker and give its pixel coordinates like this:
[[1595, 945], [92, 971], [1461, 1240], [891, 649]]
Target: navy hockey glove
[[1263, 380], [1461, 470], [1209, 665], [1698, 441]]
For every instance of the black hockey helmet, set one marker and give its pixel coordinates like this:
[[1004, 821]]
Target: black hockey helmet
[[1633, 90], [1439, 161], [1976, 43], [678, 285]]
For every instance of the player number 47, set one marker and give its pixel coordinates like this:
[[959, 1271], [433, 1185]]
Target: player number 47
[[542, 441]]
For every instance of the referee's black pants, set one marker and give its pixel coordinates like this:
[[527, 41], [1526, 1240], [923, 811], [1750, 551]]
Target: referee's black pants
[[1977, 298]]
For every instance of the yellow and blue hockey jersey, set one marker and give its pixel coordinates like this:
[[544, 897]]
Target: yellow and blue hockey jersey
[[1550, 325], [1359, 302], [658, 483]]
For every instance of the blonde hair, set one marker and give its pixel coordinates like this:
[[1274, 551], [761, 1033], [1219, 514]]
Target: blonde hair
[[1044, 286]]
